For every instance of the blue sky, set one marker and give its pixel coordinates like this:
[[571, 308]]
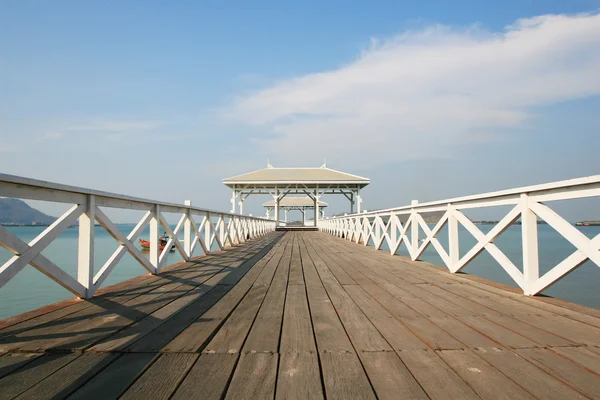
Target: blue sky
[[430, 99]]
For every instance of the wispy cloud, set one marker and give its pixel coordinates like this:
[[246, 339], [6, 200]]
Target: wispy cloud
[[7, 147], [50, 136], [415, 94], [109, 130], [114, 126]]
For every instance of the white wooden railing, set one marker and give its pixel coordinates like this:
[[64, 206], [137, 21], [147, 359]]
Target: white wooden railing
[[222, 228], [527, 204]]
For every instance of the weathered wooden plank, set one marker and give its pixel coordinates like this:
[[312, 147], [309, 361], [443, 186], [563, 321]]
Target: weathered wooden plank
[[113, 380], [396, 334], [254, 377], [311, 277], [299, 377], [341, 262], [390, 377], [231, 335], [296, 276], [519, 327], [297, 333], [344, 377], [557, 306], [22, 379], [12, 361], [463, 333], [154, 340], [161, 336], [329, 331], [565, 370], [136, 331], [69, 378], [361, 331], [435, 337], [265, 333], [162, 378], [208, 378], [199, 332], [579, 332], [422, 307], [582, 356], [452, 326], [429, 333], [396, 307], [334, 268], [527, 375], [160, 310], [435, 377], [266, 276], [487, 381], [503, 336]]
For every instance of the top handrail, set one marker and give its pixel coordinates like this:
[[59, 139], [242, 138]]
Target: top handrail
[[541, 189], [16, 186]]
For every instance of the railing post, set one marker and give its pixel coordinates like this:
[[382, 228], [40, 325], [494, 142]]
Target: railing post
[[154, 234], [221, 227], [187, 231], [85, 255], [393, 230], [453, 243], [529, 236], [414, 231], [207, 233]]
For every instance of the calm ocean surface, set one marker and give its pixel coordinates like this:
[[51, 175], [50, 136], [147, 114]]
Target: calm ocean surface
[[30, 289]]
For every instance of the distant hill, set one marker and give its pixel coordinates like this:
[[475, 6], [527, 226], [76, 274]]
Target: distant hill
[[17, 212]]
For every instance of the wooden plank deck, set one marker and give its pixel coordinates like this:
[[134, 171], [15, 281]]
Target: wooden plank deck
[[303, 315]]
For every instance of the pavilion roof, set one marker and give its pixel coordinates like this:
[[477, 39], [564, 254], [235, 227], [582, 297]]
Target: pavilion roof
[[271, 175]]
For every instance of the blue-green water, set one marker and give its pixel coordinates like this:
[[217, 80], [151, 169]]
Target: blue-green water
[[30, 289], [581, 286]]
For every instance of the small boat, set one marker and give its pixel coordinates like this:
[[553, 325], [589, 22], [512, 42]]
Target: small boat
[[162, 243]]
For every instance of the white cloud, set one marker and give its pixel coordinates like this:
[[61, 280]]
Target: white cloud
[[414, 95]]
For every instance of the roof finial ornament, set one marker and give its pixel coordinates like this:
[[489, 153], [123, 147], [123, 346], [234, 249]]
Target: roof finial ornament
[[324, 163], [269, 163]]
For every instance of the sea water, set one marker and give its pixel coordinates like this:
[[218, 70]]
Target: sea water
[[31, 289]]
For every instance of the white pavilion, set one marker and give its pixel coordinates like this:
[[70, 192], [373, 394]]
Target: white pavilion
[[310, 182], [302, 204]]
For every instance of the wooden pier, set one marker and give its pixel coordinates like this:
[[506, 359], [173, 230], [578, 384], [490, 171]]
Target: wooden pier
[[303, 315]]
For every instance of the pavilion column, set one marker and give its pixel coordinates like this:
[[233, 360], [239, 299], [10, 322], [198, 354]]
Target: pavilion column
[[276, 198], [285, 212], [316, 201], [351, 202], [268, 213], [233, 200], [303, 211], [358, 201], [241, 204]]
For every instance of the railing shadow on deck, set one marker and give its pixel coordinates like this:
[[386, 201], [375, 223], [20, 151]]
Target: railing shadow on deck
[[135, 329]]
